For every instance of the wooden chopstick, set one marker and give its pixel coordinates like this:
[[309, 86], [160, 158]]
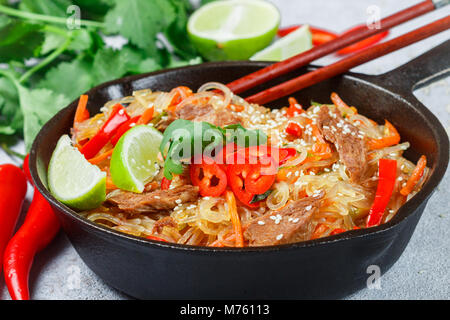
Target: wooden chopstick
[[275, 70], [346, 64]]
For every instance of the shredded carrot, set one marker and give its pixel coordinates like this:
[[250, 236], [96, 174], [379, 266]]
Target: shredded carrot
[[320, 229], [235, 219], [110, 184], [322, 150], [101, 157], [392, 139], [146, 116], [354, 110], [338, 102], [81, 113], [415, 176], [234, 107]]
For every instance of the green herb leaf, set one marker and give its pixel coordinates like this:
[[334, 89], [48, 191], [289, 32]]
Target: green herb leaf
[[259, 197], [11, 119], [19, 39], [47, 7]]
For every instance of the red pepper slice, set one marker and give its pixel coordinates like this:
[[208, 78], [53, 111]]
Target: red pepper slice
[[209, 177], [363, 44], [124, 128], [96, 143], [387, 172], [156, 238], [294, 130], [165, 183]]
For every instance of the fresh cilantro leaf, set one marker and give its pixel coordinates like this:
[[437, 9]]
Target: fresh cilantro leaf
[[69, 78], [11, 119], [140, 21], [260, 197], [47, 7], [19, 39], [108, 65], [38, 106]]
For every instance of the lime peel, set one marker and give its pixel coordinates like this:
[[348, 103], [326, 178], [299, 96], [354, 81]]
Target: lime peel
[[73, 180]]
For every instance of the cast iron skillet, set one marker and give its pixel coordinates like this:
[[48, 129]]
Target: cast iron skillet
[[326, 268]]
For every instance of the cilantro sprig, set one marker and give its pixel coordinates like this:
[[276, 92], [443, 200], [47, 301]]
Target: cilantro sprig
[[44, 65]]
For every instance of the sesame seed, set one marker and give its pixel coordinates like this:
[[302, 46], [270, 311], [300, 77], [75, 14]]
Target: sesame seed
[[178, 201], [261, 223], [308, 208], [157, 197], [280, 236]]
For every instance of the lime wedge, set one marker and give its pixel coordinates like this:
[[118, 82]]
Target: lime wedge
[[233, 29], [294, 43], [73, 180], [134, 161]]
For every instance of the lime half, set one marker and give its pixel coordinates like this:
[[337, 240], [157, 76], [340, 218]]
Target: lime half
[[134, 161], [294, 43], [73, 180], [233, 29]]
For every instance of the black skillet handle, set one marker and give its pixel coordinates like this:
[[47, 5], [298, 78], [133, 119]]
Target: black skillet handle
[[423, 70]]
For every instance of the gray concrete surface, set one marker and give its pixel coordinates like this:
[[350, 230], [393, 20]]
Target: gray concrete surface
[[422, 272]]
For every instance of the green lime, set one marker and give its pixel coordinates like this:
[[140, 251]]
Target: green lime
[[134, 161], [294, 43], [73, 180], [233, 29]]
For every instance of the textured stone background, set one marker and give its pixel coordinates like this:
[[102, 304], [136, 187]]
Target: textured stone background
[[422, 272]]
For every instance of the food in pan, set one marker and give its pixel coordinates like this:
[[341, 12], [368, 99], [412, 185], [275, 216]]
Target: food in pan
[[210, 169]]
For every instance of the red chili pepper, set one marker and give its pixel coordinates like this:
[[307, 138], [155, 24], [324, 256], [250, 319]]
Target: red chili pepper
[[209, 177], [319, 36], [124, 128], [13, 188], [165, 183], [337, 231], [363, 43], [294, 130], [26, 168], [156, 238], [96, 143], [38, 230], [387, 171]]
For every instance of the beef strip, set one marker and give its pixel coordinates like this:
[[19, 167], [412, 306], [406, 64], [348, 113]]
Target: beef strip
[[163, 222], [155, 201], [207, 113], [347, 139], [288, 225]]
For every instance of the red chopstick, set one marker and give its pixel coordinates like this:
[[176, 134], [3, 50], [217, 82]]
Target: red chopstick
[[346, 64], [275, 70]]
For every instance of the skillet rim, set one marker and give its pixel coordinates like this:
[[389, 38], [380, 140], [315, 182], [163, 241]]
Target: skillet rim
[[402, 215]]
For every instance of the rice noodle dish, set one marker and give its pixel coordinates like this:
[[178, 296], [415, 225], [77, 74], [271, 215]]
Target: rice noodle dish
[[227, 173]]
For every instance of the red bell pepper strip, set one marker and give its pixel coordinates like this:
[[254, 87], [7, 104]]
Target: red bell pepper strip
[[124, 128], [156, 238], [96, 143], [209, 177], [165, 183], [363, 44], [387, 172], [294, 130], [13, 188]]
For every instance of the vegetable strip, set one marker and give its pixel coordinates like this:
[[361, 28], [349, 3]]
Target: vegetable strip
[[415, 176], [235, 219]]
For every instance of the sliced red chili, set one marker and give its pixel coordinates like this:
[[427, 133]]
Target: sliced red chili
[[209, 177], [96, 143], [236, 174], [257, 182], [387, 171], [319, 36], [124, 128]]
